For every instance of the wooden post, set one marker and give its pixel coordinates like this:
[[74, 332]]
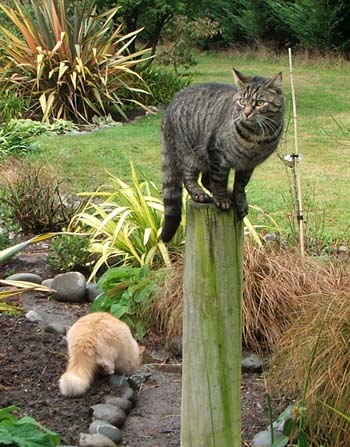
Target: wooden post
[[212, 339]]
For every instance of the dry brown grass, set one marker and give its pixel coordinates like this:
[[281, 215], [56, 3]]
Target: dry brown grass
[[274, 282], [321, 329]]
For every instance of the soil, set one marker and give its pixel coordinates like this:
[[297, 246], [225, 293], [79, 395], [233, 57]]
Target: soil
[[32, 361]]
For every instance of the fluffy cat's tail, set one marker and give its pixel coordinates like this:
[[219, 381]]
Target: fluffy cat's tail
[[172, 185], [78, 376]]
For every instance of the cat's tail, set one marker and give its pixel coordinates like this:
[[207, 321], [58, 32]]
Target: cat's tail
[[172, 186], [78, 376]]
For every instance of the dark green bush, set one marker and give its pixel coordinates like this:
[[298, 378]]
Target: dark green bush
[[69, 253]]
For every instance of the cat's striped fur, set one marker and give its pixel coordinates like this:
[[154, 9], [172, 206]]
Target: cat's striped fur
[[211, 128]]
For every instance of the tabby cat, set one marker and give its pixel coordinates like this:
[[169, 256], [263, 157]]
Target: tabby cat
[[98, 343], [211, 128]]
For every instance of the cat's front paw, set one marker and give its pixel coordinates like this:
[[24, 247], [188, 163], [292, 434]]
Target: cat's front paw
[[201, 198], [223, 204]]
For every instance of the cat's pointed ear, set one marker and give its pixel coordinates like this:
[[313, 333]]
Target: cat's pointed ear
[[240, 79], [275, 82]]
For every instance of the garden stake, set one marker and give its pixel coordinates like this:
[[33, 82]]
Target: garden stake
[[295, 160]]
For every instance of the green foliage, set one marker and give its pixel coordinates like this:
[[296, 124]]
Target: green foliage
[[11, 105], [163, 84], [16, 139], [8, 229], [124, 228], [71, 62], [152, 15], [69, 252], [311, 22], [24, 432], [181, 35], [17, 136], [126, 294]]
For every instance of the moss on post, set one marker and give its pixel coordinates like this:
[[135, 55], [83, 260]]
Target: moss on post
[[212, 341]]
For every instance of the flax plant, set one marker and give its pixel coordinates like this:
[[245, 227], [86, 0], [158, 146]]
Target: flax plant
[[124, 225], [71, 64]]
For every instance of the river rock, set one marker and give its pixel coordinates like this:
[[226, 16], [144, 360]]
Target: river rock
[[69, 287], [92, 291], [55, 328], [103, 428], [32, 315], [109, 413], [252, 363], [95, 440], [29, 277], [47, 282], [175, 346], [128, 393], [116, 381], [119, 402], [263, 438]]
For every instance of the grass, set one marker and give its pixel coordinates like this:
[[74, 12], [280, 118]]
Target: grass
[[322, 96]]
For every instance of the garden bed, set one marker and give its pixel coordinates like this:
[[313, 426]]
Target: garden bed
[[32, 361]]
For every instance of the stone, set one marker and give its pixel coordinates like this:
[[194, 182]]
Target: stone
[[95, 440], [138, 379], [252, 363], [119, 402], [286, 415], [109, 413], [92, 291], [263, 438], [55, 328], [32, 315], [175, 346], [69, 287], [29, 277], [47, 282], [103, 428], [116, 381], [128, 393], [270, 237]]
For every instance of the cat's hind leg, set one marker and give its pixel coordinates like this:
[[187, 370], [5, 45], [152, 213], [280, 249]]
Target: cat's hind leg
[[105, 367]]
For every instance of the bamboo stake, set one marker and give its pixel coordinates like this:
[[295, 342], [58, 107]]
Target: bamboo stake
[[296, 162]]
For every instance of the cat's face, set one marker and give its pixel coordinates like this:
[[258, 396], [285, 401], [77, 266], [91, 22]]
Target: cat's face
[[258, 100]]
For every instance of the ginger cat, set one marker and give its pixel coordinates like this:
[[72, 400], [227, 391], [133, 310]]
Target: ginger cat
[[98, 342]]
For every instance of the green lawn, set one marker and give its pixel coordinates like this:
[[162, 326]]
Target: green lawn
[[323, 94]]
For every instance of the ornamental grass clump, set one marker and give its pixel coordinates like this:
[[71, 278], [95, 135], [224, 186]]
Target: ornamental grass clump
[[275, 284], [124, 222], [71, 62], [312, 360]]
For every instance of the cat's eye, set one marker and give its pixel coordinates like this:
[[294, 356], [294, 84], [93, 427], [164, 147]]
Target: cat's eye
[[243, 102], [260, 102]]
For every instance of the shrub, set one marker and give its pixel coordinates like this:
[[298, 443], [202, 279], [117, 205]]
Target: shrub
[[180, 37], [126, 293], [12, 106], [71, 63], [69, 253], [163, 83], [33, 195], [124, 227], [313, 358], [16, 139]]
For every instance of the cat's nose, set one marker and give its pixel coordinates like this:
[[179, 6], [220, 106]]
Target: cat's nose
[[248, 110]]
